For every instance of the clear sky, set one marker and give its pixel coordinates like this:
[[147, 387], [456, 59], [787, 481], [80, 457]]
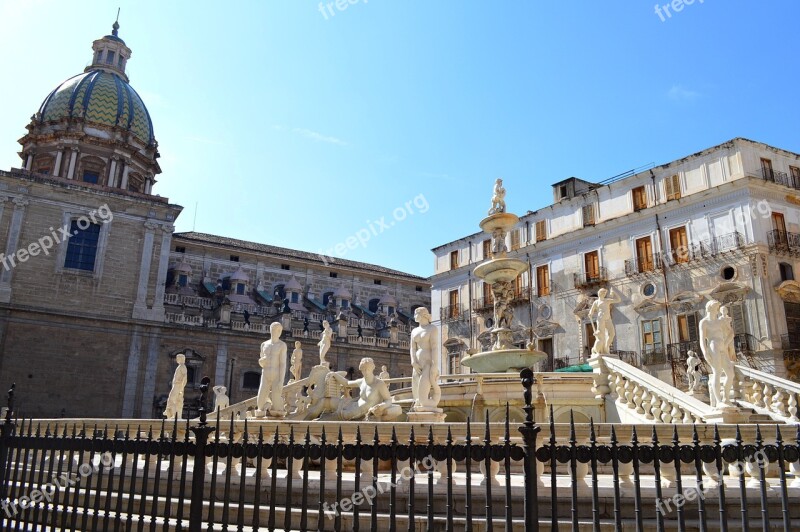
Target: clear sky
[[300, 126]]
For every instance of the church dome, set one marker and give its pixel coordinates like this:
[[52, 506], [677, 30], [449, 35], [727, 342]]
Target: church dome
[[99, 97]]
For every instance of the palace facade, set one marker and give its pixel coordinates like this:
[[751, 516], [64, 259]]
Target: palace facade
[[723, 223]]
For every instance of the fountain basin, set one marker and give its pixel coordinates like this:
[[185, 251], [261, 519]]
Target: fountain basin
[[500, 220], [504, 360], [502, 269]]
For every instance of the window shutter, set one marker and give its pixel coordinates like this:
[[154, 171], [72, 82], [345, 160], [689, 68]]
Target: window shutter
[[739, 323], [693, 331], [588, 214]]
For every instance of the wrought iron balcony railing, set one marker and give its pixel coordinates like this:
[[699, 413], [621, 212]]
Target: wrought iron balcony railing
[[728, 242], [783, 242], [589, 279], [451, 313], [654, 356], [644, 264], [483, 304], [780, 178]]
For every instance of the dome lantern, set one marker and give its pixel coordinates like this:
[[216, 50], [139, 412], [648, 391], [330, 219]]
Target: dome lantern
[[110, 53]]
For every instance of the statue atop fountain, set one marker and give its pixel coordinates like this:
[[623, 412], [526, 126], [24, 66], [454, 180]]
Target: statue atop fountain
[[500, 272]]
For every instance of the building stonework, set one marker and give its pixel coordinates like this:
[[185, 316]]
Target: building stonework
[[90, 324], [721, 224]]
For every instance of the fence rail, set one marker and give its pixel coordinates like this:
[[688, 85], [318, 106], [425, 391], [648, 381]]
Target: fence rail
[[251, 475]]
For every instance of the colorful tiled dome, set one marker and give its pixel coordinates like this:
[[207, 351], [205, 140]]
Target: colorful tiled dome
[[100, 97]]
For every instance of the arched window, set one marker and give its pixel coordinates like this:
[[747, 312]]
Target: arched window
[[92, 170], [278, 292], [251, 380], [373, 305], [787, 272], [326, 297]]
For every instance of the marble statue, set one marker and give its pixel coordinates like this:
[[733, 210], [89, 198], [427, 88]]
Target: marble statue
[[325, 342], [503, 292], [221, 399], [693, 371], [175, 398], [602, 323], [373, 401], [425, 375], [498, 198], [384, 374], [716, 342], [273, 364], [297, 361]]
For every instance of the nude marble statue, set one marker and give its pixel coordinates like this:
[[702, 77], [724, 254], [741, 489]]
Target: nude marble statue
[[273, 370]]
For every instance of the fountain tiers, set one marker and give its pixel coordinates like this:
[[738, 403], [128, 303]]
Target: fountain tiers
[[499, 272]]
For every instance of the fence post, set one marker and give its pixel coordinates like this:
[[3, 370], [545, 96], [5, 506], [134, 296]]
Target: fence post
[[529, 434], [5, 433], [201, 433]]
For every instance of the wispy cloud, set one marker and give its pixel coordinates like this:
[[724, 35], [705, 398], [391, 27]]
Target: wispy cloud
[[318, 137], [679, 93]]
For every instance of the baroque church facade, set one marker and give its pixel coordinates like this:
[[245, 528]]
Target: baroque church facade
[[98, 294]]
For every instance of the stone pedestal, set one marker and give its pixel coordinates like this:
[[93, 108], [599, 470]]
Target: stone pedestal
[[727, 415], [426, 416]]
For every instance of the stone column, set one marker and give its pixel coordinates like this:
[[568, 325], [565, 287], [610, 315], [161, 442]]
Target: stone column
[[73, 158], [12, 243], [57, 165], [163, 265], [112, 172], [132, 374], [151, 367], [140, 306], [124, 183], [148, 185], [28, 161]]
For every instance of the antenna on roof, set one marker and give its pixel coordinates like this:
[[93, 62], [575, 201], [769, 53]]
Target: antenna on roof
[[195, 216], [117, 14]]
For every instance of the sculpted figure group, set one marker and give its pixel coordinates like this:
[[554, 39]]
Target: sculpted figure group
[[716, 343]]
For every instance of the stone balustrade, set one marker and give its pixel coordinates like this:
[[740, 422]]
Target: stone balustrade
[[640, 396], [768, 394]]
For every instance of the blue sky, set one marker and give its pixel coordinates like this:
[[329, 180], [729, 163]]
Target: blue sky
[[300, 129]]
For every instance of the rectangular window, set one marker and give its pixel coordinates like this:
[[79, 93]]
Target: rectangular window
[[562, 192], [778, 222], [240, 289], [110, 57], [687, 327], [91, 177], [418, 288], [651, 336], [644, 254], [454, 260], [793, 171], [543, 281], [285, 267], [679, 244], [541, 230], [588, 215], [183, 280], [82, 246], [376, 281], [514, 239], [43, 170], [487, 248], [639, 198], [295, 297], [488, 297], [333, 274], [591, 264], [766, 170], [234, 258], [180, 249], [453, 299], [672, 187], [455, 363]]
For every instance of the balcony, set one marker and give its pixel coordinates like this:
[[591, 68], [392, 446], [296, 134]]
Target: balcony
[[728, 242], [483, 304], [522, 294], [629, 357], [654, 356], [451, 313], [590, 279], [694, 252], [790, 342], [643, 265], [780, 178], [783, 242]]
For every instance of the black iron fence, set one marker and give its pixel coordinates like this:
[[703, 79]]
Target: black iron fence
[[368, 476]]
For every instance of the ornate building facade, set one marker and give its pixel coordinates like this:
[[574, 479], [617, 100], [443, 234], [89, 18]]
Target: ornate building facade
[[98, 294], [722, 223]]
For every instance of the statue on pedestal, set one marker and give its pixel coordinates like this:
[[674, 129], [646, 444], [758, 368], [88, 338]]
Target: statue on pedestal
[[425, 376], [498, 198], [602, 323], [297, 361], [273, 364], [373, 402], [221, 399], [716, 342], [693, 371], [325, 342], [384, 373], [175, 398]]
